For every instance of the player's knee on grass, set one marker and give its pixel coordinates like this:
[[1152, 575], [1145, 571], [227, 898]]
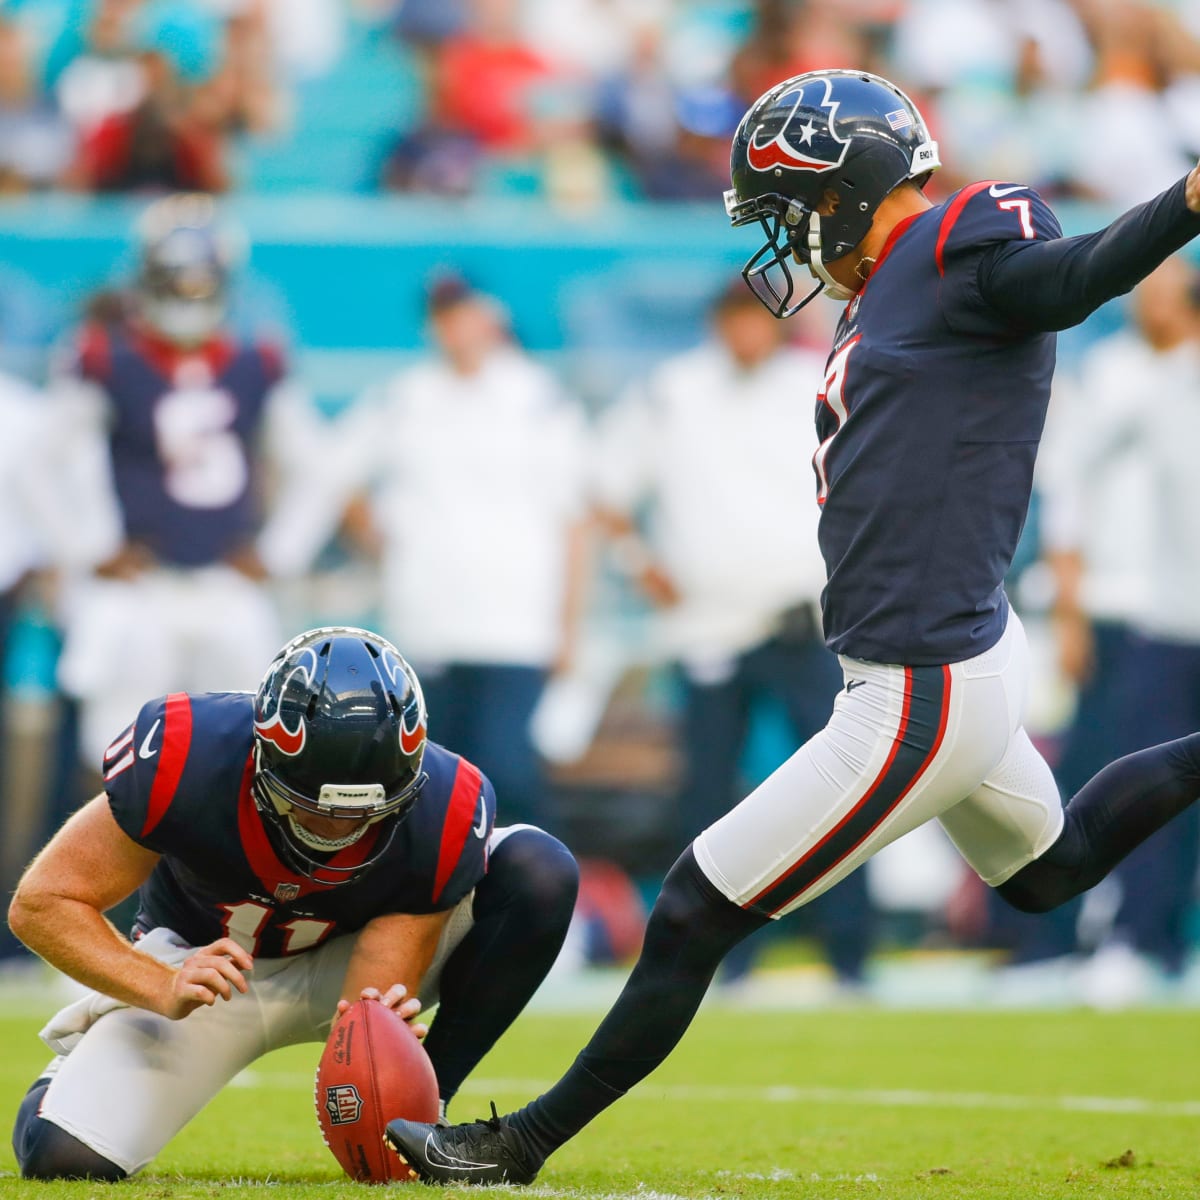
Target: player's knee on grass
[[535, 872], [44, 1151]]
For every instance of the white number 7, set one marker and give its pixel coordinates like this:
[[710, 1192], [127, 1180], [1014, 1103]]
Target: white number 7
[[1021, 207]]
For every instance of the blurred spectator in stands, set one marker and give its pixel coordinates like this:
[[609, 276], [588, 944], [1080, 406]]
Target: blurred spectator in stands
[[35, 142], [94, 66], [635, 105], [502, 118], [1002, 84], [696, 165], [22, 414], [306, 38], [591, 38], [484, 77], [790, 37], [673, 140], [570, 170], [710, 455], [165, 424], [425, 24], [477, 460], [163, 143], [1126, 106], [481, 85], [1123, 535], [434, 159], [240, 95]]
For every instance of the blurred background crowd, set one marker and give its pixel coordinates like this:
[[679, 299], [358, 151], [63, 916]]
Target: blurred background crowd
[[578, 102], [425, 315]]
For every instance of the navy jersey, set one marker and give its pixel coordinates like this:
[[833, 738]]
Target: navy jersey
[[182, 433], [929, 422], [178, 782]]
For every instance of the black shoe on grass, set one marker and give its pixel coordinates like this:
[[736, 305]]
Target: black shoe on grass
[[482, 1152]]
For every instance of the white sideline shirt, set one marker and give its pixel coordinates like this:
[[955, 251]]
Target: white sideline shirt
[[478, 481], [722, 458], [1152, 404], [22, 477]]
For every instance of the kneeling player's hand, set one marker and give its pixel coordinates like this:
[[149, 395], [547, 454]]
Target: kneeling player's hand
[[210, 973], [395, 998]]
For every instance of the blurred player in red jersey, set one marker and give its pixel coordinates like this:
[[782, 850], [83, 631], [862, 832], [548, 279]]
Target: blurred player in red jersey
[[290, 849], [928, 421]]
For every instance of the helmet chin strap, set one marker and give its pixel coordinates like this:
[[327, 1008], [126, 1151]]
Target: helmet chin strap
[[833, 289]]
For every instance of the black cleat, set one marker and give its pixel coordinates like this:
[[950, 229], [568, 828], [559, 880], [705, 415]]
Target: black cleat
[[482, 1152]]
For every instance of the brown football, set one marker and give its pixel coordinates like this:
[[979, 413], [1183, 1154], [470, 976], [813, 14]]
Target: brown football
[[373, 1069]]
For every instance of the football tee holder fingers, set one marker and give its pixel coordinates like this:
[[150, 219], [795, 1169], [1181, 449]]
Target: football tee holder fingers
[[477, 1154]]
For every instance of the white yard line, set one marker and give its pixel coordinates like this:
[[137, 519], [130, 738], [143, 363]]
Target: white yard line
[[788, 1094]]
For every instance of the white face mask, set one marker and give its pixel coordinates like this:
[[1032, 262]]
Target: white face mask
[[833, 289]]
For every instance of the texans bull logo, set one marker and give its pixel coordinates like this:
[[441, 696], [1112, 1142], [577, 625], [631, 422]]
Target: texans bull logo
[[273, 730], [804, 142], [410, 739]]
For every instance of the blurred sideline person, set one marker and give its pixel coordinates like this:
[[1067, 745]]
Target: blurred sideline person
[[711, 448], [164, 422], [22, 415], [1125, 528], [291, 850], [473, 465], [928, 423]]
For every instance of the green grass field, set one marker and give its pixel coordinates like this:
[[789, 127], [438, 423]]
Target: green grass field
[[817, 1103]]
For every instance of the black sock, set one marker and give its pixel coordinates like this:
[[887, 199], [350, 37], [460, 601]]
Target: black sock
[[1114, 812], [522, 909], [690, 930]]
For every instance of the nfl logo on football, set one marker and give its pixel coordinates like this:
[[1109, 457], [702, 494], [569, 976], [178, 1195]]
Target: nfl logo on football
[[343, 1103]]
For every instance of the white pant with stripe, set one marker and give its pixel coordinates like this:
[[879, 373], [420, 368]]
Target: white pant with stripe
[[903, 745], [162, 1072]]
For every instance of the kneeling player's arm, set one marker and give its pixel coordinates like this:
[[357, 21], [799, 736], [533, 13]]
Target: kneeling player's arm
[[394, 948], [1050, 285], [58, 908]]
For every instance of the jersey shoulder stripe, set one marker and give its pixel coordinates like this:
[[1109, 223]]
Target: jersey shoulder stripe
[[460, 816], [950, 217], [176, 741]]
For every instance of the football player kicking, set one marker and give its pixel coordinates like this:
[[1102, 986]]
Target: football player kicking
[[292, 849], [928, 421]]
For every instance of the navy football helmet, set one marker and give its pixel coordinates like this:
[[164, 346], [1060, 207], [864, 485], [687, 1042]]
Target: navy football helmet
[[186, 258], [339, 731], [840, 138]]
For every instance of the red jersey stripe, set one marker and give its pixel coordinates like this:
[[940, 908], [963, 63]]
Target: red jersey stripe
[[939, 737], [897, 740], [265, 863], [951, 215], [460, 816], [176, 740]]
